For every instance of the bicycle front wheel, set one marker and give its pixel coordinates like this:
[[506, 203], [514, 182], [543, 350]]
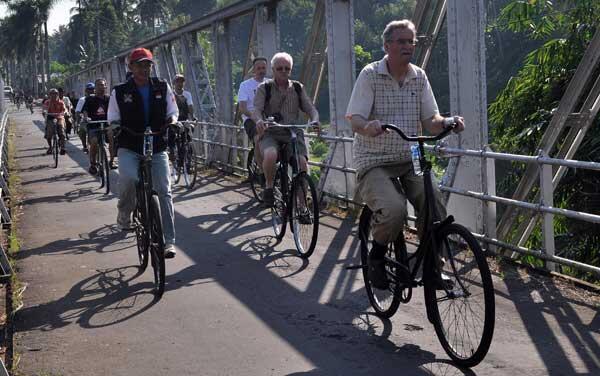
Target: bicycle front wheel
[[157, 246], [461, 303], [305, 215], [279, 211], [104, 166], [55, 149], [384, 302], [254, 176]]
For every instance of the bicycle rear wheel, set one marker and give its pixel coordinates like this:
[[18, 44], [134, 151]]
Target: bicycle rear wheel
[[461, 306], [254, 176], [55, 149], [305, 215], [157, 246], [279, 211], [384, 302]]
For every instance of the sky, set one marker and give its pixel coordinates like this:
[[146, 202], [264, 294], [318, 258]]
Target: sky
[[59, 14]]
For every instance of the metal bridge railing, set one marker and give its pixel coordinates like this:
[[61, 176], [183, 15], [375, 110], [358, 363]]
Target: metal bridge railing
[[544, 207]]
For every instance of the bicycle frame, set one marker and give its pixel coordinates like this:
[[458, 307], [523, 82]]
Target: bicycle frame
[[432, 222]]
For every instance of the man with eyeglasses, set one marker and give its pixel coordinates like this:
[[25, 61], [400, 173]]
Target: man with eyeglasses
[[394, 91], [282, 99]]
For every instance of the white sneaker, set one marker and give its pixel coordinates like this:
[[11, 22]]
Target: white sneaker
[[124, 221], [170, 251]]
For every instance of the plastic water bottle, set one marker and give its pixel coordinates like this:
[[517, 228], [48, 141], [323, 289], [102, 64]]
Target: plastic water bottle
[[416, 159]]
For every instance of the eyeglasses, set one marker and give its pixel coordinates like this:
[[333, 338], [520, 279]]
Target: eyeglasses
[[401, 41], [280, 69]]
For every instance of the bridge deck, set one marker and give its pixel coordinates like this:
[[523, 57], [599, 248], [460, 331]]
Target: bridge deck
[[236, 303]]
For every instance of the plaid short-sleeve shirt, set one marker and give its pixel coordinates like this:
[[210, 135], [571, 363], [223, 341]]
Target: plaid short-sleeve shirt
[[377, 95]]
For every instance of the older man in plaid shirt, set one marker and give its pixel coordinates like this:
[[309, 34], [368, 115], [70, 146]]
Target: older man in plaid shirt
[[394, 91]]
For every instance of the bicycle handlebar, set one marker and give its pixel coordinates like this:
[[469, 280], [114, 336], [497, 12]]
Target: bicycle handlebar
[[444, 133], [277, 125], [55, 113], [139, 134]]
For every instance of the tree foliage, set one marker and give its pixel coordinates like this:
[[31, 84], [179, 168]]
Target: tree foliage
[[523, 109]]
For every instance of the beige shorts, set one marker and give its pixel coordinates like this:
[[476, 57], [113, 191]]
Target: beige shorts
[[387, 199], [276, 138]]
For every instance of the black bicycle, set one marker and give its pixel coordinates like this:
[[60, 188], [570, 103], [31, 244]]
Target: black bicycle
[[295, 196], [255, 176], [459, 294], [147, 216], [184, 155], [54, 145], [101, 160]]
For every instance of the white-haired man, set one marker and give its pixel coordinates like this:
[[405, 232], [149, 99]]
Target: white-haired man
[[282, 99], [394, 91]]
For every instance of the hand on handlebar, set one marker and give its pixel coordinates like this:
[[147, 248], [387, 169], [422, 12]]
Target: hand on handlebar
[[316, 126], [374, 128], [261, 126], [456, 122]]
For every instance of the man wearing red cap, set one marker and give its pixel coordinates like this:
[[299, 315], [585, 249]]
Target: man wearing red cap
[[139, 102]]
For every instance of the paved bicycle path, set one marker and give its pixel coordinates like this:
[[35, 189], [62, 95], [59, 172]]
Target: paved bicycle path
[[236, 303]]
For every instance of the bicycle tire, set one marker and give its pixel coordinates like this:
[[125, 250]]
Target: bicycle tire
[[105, 169], [305, 237], [279, 211], [253, 176], [142, 235], [190, 166], [453, 241], [100, 167], [177, 164], [157, 246], [55, 149], [384, 302]]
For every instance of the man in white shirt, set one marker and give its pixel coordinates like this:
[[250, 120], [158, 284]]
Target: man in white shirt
[[246, 102], [183, 98]]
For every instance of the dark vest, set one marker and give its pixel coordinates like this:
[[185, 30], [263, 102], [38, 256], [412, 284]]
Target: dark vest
[[131, 108]]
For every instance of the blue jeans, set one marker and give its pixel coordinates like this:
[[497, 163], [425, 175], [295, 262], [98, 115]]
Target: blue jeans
[[129, 163]]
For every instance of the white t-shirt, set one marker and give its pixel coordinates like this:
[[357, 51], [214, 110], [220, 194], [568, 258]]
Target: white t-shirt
[[80, 104], [188, 97], [68, 104], [247, 92]]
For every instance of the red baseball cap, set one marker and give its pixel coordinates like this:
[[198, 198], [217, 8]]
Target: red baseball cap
[[140, 54]]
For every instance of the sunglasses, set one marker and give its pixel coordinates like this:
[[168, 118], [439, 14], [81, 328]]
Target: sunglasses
[[401, 41], [280, 69]]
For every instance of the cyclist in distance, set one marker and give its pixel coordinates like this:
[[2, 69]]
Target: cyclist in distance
[[185, 105], [282, 99], [68, 107], [140, 102], [394, 91], [89, 90], [246, 95], [55, 106], [95, 108]]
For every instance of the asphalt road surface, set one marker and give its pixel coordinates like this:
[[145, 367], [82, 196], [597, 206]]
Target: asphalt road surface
[[237, 303]]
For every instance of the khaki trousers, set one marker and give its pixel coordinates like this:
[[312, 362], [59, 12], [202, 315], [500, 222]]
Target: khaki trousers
[[387, 200]]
